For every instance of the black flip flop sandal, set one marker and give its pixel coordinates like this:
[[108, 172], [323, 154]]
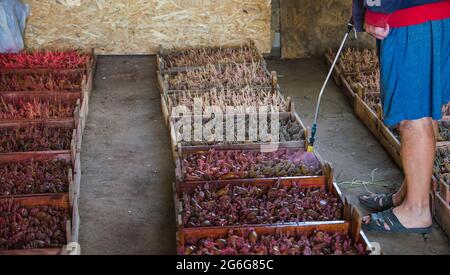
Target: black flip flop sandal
[[378, 221], [378, 203]]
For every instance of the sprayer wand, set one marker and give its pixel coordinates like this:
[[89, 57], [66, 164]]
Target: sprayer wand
[[312, 139]]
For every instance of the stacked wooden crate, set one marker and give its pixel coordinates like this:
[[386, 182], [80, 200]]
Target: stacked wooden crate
[[357, 74], [44, 98], [441, 206], [246, 189]]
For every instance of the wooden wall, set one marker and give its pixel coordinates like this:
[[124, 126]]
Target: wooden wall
[[142, 26], [309, 27]]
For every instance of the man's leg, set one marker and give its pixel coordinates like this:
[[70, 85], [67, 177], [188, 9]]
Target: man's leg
[[418, 152], [401, 193]]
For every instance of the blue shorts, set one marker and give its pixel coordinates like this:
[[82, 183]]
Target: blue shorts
[[415, 72]]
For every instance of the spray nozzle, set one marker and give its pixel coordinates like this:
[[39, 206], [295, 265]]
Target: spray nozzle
[[312, 139], [351, 26]]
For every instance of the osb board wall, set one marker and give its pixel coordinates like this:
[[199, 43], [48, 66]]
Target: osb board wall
[[310, 27], [141, 26]]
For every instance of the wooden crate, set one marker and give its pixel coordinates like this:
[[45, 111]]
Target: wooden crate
[[163, 81], [342, 78], [75, 145], [90, 72], [162, 66], [351, 227], [264, 147], [444, 143], [74, 149], [77, 79], [75, 222], [163, 85], [56, 200], [68, 98], [347, 90], [88, 75], [44, 70], [167, 105], [444, 190], [87, 89], [84, 111], [329, 58], [173, 144], [302, 182], [73, 192], [201, 146], [439, 184], [165, 110], [442, 213], [326, 178], [367, 116], [82, 95], [72, 157], [176, 70], [85, 92]]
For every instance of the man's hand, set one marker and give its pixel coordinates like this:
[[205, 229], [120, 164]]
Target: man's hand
[[377, 32]]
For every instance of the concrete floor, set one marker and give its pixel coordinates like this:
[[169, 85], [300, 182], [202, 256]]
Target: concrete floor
[[126, 198], [126, 203]]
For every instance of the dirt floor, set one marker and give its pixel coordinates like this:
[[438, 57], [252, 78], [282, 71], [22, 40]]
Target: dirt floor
[[126, 197]]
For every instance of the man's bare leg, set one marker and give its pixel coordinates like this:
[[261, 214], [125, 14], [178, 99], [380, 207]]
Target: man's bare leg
[[401, 193], [418, 152]]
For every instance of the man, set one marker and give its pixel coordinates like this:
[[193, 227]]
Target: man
[[413, 39]]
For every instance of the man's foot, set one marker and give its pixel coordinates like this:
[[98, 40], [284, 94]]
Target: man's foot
[[417, 217], [399, 220], [375, 202], [382, 202]]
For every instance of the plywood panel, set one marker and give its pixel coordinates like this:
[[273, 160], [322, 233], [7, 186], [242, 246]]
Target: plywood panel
[[142, 26], [309, 27]]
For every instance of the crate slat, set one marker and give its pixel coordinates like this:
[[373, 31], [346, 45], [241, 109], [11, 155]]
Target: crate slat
[[391, 144], [367, 116], [442, 213], [444, 190]]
